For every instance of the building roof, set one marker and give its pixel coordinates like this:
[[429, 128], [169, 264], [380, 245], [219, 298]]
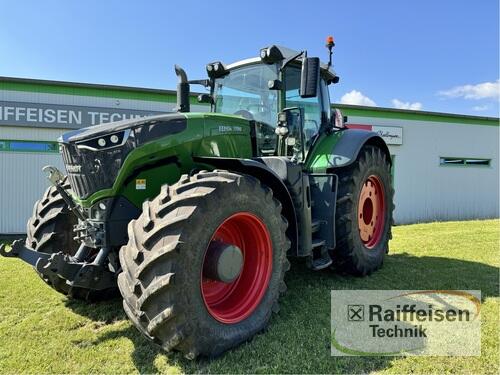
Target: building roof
[[159, 95], [407, 114]]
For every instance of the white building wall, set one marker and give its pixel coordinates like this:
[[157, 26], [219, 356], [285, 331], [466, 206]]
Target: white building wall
[[426, 191], [22, 181]]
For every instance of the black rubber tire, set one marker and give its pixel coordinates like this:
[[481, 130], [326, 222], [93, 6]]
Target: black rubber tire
[[162, 261], [49, 230], [351, 255]]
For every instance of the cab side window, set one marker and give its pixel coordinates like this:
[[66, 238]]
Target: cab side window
[[311, 106]]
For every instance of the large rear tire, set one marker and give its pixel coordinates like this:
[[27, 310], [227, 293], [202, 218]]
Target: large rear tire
[[50, 230], [166, 291], [364, 213]]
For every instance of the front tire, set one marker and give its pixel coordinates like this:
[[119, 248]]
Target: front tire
[[50, 230], [364, 213], [165, 289]]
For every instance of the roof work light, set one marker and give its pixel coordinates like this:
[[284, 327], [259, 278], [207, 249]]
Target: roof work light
[[330, 43]]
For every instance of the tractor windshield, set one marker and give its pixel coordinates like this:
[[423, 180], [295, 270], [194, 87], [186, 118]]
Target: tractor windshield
[[245, 92]]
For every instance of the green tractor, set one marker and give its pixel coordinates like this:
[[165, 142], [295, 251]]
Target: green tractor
[[193, 216]]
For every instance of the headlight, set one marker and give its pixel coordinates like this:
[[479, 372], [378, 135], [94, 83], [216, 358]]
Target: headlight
[[100, 210], [216, 70], [105, 142]]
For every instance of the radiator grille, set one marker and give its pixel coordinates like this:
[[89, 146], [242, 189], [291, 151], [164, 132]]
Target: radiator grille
[[89, 170]]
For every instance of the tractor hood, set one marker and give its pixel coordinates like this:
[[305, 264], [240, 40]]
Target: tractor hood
[[94, 155], [96, 131]]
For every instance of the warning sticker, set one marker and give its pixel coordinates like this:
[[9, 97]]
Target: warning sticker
[[140, 184]]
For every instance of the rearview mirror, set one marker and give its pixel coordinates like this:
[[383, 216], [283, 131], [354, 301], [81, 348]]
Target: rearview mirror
[[309, 77]]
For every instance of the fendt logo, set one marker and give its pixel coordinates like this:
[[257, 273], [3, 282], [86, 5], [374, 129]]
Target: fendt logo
[[73, 168]]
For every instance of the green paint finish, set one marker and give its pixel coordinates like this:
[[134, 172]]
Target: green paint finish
[[389, 113], [101, 92], [207, 134], [226, 136], [152, 180], [320, 156]]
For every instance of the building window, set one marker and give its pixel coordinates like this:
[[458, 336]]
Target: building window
[[28, 146], [464, 162]]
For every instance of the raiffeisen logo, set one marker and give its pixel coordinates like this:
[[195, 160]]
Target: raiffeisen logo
[[411, 313], [425, 322]]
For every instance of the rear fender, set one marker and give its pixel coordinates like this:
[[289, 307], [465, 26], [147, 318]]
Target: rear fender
[[341, 149]]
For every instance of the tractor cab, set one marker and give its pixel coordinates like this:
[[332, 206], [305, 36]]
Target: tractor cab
[[283, 92]]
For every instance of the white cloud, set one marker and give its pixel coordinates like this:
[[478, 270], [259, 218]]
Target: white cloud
[[357, 98], [480, 108], [406, 105], [485, 90]]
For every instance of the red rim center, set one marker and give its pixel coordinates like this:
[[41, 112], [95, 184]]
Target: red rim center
[[371, 212], [233, 302]]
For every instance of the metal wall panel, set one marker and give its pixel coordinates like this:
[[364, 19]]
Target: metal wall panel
[[22, 181], [426, 191]]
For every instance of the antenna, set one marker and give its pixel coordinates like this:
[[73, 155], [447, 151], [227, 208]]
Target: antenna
[[330, 44]]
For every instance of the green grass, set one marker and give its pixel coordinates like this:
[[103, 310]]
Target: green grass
[[42, 331]]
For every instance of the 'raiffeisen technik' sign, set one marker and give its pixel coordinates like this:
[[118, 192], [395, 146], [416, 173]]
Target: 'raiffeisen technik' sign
[[63, 116], [406, 322]]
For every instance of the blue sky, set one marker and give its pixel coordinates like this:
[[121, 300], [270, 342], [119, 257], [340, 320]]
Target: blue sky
[[430, 55]]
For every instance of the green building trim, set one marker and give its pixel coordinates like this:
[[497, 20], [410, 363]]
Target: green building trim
[[169, 96]]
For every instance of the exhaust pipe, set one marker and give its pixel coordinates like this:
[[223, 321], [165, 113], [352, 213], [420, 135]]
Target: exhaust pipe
[[182, 90]]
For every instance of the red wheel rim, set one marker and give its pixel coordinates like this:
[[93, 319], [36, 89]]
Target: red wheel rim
[[233, 302], [371, 211]]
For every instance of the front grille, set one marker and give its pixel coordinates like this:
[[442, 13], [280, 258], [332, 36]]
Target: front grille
[[92, 170]]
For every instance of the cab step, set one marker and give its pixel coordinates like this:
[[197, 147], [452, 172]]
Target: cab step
[[316, 225], [316, 242], [321, 263]]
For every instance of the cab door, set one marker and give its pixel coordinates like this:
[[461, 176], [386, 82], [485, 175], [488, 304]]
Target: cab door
[[316, 110]]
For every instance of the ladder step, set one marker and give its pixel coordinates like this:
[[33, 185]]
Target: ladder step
[[316, 225], [318, 243], [321, 263]]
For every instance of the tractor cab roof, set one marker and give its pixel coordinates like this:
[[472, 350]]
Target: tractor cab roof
[[276, 53]]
